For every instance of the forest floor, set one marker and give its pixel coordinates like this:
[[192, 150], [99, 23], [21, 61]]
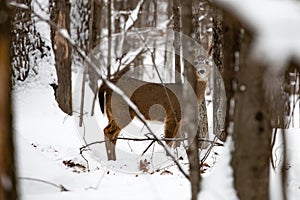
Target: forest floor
[[50, 166], [48, 161]]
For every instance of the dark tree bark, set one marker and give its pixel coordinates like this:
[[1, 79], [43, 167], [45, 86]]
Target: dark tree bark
[[217, 56], [95, 23], [109, 28], [193, 150], [118, 6], [202, 36], [8, 189], [177, 40], [60, 15], [248, 119], [217, 44]]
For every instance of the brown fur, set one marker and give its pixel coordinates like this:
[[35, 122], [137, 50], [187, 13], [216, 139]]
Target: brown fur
[[144, 95]]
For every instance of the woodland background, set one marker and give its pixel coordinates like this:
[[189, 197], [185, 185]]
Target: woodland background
[[44, 45]]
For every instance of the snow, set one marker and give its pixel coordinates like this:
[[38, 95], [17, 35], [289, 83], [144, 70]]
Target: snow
[[276, 27], [218, 185], [292, 165], [46, 138], [18, 5]]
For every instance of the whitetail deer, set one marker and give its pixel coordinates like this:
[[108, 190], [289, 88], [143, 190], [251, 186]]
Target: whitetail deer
[[144, 95]]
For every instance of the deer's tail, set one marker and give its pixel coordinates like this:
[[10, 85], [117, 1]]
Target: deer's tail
[[101, 96]]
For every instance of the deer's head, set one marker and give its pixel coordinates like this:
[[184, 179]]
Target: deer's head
[[202, 67]]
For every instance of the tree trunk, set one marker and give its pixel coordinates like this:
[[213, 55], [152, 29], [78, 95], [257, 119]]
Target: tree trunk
[[202, 36], [109, 43], [250, 122], [60, 15], [219, 108], [193, 150], [7, 166], [177, 39], [97, 23]]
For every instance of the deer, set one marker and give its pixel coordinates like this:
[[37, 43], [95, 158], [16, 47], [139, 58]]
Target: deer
[[145, 95]]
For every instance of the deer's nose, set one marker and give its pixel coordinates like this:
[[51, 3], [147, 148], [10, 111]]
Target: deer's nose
[[201, 71]]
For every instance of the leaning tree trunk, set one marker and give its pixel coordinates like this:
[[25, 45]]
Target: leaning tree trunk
[[7, 166], [60, 15], [250, 122]]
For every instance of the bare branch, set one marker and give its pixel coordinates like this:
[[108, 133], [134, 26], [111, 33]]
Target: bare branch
[[59, 186], [213, 143]]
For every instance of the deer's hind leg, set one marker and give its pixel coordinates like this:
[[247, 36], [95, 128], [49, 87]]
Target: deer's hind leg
[[171, 128], [111, 132]]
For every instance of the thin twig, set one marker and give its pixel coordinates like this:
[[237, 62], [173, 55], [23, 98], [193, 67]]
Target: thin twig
[[59, 186], [148, 147], [209, 150], [293, 110], [213, 143], [82, 95], [272, 146]]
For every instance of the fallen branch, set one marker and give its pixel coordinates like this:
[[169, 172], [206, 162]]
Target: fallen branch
[[84, 148], [59, 186]]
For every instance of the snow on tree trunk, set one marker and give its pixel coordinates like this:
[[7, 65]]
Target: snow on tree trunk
[[7, 166]]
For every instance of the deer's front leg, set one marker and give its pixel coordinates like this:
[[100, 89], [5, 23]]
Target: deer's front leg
[[111, 132]]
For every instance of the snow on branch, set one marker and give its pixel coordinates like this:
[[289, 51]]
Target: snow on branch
[[133, 16], [18, 5]]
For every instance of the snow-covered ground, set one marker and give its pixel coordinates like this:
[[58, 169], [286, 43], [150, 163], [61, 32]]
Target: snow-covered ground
[[48, 143], [49, 160]]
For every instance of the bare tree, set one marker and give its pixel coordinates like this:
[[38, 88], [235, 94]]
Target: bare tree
[[60, 15], [8, 189], [177, 40], [217, 56], [95, 23], [193, 150], [248, 116], [201, 9], [95, 27]]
